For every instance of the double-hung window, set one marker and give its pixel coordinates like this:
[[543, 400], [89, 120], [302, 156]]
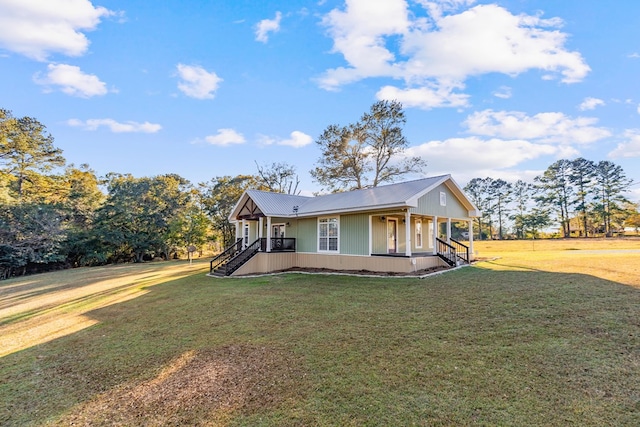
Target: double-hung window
[[418, 233], [328, 231]]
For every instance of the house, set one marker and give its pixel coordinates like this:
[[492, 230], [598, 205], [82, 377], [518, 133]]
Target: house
[[396, 228]]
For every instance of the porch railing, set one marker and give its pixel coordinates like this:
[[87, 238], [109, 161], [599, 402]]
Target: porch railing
[[452, 253], [462, 250], [279, 244]]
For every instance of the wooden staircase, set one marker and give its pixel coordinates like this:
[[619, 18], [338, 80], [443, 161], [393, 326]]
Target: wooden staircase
[[233, 258]]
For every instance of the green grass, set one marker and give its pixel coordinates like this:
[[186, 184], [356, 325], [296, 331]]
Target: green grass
[[503, 343]]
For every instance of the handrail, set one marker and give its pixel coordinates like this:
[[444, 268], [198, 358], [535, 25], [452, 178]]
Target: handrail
[[446, 251], [462, 250], [226, 255], [237, 261]]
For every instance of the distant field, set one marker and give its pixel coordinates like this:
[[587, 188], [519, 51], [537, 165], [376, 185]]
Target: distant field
[[540, 333]]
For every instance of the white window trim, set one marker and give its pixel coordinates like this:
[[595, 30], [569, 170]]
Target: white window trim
[[328, 251], [421, 239], [443, 198]]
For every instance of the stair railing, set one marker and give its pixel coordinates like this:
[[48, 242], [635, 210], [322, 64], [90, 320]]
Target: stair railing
[[225, 255]]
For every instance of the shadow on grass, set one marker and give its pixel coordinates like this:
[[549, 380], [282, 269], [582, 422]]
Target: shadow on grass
[[472, 346]]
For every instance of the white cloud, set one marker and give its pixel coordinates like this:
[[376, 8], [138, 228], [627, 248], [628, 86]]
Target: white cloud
[[638, 109], [471, 157], [424, 97], [296, 139], [196, 82], [266, 26], [544, 127], [444, 48], [37, 28], [629, 148], [590, 103], [225, 137], [116, 127], [71, 81], [503, 92]]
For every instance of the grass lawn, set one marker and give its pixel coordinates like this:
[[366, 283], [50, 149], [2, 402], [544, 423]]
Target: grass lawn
[[543, 333]]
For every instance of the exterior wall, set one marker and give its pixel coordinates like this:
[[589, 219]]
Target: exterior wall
[[307, 235], [429, 204], [354, 234], [263, 263]]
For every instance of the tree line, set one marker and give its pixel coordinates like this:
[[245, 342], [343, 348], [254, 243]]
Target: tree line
[[56, 215], [585, 198]]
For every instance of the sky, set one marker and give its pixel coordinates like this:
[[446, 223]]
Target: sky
[[206, 89]]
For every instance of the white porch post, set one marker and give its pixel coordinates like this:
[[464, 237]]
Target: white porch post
[[268, 234], [370, 234], [407, 233], [471, 253], [238, 230], [244, 238], [448, 230], [260, 227], [435, 235]]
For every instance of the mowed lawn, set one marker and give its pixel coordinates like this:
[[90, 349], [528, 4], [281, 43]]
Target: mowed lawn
[[540, 333]]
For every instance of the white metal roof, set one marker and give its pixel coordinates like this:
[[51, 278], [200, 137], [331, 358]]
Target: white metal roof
[[404, 194]]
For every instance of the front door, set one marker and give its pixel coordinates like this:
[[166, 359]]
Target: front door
[[392, 236]]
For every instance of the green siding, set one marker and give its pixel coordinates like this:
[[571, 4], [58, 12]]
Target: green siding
[[307, 235], [354, 234], [379, 236], [429, 204]]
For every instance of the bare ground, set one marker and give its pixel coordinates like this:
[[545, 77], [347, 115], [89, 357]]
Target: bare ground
[[199, 388]]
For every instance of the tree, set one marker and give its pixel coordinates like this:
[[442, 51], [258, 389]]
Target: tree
[[29, 234], [500, 193], [535, 221], [581, 176], [279, 178], [478, 190], [611, 183], [220, 197], [522, 193], [26, 149], [135, 218], [367, 153], [555, 191]]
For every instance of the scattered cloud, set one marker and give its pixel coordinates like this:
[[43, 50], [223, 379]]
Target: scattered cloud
[[503, 92], [296, 139], [478, 157], [116, 127], [543, 127], [437, 52], [266, 26], [196, 82], [629, 148], [224, 137], [71, 80], [424, 97], [634, 55], [590, 103], [37, 29]]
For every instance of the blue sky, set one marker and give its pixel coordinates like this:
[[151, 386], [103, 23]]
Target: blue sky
[[209, 88]]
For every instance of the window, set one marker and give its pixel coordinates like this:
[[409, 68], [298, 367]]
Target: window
[[443, 198], [246, 234], [328, 234], [418, 233]]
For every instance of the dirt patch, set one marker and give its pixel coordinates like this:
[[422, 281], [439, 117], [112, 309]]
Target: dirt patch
[[199, 388]]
